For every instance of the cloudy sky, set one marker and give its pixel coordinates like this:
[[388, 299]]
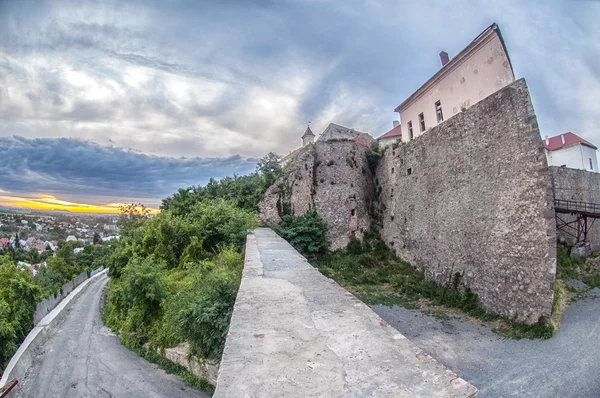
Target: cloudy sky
[[112, 101]]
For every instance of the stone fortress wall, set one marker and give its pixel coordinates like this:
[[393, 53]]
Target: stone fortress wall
[[470, 200], [581, 186], [331, 177]]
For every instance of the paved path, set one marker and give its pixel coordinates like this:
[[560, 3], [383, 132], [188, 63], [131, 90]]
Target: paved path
[[82, 358], [295, 333], [567, 365]]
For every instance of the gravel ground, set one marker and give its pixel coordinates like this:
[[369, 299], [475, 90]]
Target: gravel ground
[[567, 365]]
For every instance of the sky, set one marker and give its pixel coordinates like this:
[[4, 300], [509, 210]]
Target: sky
[[107, 102]]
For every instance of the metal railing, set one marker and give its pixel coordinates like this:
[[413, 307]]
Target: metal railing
[[576, 207]]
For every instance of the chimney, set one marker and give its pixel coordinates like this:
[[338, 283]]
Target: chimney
[[562, 138], [444, 58], [547, 140], [395, 124]]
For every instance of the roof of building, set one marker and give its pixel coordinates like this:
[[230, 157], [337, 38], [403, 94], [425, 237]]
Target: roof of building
[[289, 155], [308, 132], [556, 142], [393, 133], [335, 132], [492, 29]]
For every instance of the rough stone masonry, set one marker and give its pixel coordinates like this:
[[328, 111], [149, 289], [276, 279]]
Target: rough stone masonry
[[469, 202]]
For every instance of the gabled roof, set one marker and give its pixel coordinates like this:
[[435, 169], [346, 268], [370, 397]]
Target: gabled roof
[[308, 132], [554, 143], [335, 132], [393, 133], [493, 29]]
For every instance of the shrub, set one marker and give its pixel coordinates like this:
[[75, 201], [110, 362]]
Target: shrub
[[373, 156], [306, 233], [18, 298]]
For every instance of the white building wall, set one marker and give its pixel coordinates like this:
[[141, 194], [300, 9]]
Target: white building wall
[[588, 154], [483, 71], [574, 157]]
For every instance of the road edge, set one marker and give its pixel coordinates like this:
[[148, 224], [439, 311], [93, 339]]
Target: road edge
[[23, 358]]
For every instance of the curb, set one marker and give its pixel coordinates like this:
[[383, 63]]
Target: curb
[[23, 358]]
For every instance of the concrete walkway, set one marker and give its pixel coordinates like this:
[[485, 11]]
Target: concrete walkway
[[295, 333]]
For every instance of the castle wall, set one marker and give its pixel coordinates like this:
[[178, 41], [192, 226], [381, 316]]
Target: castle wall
[[578, 185], [473, 196], [332, 178]]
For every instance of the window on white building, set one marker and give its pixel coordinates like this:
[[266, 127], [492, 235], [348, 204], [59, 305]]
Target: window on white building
[[591, 166], [438, 111], [422, 122], [410, 130]]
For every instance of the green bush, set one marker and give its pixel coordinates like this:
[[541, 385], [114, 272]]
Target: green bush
[[306, 233], [18, 298], [174, 278], [373, 273]]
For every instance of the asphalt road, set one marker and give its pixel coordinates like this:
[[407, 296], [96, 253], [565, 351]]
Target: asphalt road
[[567, 365], [83, 358]]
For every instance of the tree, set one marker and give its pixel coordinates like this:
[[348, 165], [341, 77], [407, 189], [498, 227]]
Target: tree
[[18, 297], [17, 243], [97, 239], [132, 215], [268, 166]]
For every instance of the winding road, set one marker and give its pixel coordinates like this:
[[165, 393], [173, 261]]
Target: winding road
[[83, 358]]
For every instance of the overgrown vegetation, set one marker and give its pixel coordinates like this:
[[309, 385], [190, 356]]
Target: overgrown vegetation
[[306, 233], [244, 191], [374, 153], [586, 270], [372, 272], [174, 278], [18, 298]]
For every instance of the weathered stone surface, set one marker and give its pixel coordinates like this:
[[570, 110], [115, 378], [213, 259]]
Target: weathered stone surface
[[331, 177], [581, 249], [578, 185], [206, 369], [469, 202], [472, 197]]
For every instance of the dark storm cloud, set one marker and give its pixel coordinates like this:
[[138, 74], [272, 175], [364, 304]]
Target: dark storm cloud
[[79, 168]]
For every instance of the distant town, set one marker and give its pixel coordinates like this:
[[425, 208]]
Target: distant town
[[43, 230]]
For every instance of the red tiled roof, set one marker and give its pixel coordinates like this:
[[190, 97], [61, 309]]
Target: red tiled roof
[[395, 132], [555, 142]]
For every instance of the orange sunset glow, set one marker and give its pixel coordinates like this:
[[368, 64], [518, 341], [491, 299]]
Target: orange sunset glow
[[50, 202]]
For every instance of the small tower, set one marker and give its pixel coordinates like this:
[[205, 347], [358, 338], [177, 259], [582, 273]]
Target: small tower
[[308, 137]]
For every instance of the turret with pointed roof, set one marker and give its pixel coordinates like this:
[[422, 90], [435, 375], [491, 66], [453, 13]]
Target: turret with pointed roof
[[308, 137]]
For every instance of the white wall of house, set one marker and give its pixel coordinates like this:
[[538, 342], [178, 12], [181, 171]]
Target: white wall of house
[[473, 76], [575, 157]]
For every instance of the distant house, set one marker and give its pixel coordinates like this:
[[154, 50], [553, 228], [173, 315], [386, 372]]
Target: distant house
[[4, 243], [391, 136], [109, 238], [307, 138], [335, 132], [479, 70], [570, 150], [71, 238]]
